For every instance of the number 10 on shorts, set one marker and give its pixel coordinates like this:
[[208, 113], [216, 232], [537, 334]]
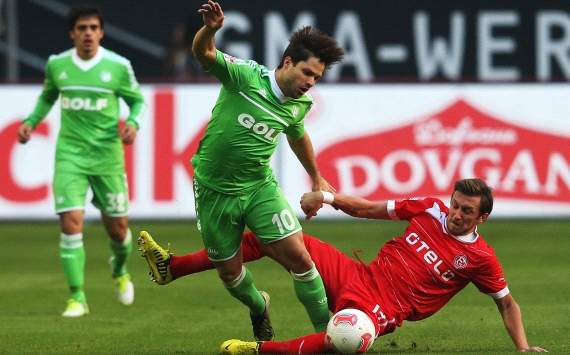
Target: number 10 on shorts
[[284, 221]]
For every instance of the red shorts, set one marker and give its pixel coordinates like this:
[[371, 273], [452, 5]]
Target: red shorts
[[347, 283]]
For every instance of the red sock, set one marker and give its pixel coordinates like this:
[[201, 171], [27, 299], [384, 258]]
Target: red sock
[[308, 344], [198, 261], [190, 263]]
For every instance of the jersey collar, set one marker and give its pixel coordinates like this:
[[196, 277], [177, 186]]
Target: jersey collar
[[467, 238], [276, 89], [85, 65]]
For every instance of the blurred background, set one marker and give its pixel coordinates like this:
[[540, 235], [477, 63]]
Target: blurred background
[[428, 92]]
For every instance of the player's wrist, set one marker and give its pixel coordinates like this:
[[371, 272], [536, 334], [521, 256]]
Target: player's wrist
[[133, 124], [328, 197]]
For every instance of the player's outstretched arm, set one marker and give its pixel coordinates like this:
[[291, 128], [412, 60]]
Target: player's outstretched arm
[[203, 46], [354, 206], [512, 318]]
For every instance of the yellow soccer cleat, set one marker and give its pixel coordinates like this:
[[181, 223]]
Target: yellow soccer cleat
[[157, 258], [239, 347], [125, 289], [75, 309]]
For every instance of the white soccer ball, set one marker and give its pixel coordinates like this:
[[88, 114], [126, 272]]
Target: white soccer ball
[[350, 331]]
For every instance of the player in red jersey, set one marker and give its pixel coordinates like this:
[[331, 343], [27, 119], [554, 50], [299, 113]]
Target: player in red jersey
[[413, 276]]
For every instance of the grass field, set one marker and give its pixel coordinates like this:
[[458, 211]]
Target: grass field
[[195, 314]]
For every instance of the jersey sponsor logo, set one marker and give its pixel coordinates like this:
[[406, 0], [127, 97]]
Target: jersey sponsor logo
[[460, 262], [62, 76], [259, 128], [105, 76], [429, 256], [83, 104]]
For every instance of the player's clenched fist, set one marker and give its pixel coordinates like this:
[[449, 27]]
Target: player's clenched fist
[[128, 134], [24, 133], [311, 203]]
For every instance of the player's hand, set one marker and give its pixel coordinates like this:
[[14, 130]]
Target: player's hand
[[534, 349], [311, 203], [25, 133], [320, 184], [212, 15], [128, 134]]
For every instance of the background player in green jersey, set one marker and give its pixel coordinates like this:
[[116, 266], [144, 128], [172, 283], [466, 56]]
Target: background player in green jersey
[[234, 186], [89, 152]]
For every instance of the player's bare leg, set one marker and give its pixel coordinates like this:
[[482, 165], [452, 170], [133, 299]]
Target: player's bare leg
[[292, 254], [121, 247], [72, 255]]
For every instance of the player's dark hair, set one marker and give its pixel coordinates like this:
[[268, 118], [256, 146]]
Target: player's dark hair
[[83, 10], [311, 42], [477, 187]]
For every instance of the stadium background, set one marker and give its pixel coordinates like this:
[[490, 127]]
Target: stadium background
[[429, 92]]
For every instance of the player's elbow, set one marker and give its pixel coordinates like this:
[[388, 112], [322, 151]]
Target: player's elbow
[[203, 55]]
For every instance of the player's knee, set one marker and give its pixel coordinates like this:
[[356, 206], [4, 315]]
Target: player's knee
[[118, 229], [228, 274], [302, 263], [71, 222]]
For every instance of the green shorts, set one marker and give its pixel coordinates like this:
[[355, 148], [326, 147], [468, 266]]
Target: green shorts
[[110, 192], [222, 218]]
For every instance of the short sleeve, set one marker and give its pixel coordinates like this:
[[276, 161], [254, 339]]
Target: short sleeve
[[233, 73], [296, 130], [406, 209], [489, 278]]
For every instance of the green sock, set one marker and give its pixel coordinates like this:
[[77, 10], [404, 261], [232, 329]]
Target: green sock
[[72, 255], [310, 291], [121, 252], [244, 290]]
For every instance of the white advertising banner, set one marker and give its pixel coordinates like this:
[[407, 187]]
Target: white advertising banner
[[376, 141]]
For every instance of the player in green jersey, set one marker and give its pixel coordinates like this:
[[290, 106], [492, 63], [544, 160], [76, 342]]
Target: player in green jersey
[[90, 80], [234, 186]]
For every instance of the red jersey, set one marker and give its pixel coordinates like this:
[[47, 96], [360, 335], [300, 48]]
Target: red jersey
[[417, 273]]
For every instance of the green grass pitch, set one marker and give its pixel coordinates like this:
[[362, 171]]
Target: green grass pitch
[[195, 314]]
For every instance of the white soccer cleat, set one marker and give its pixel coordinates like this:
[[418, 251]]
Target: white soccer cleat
[[75, 309], [125, 289]]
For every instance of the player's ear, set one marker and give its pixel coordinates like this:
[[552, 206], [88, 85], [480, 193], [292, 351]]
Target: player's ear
[[483, 217], [287, 61]]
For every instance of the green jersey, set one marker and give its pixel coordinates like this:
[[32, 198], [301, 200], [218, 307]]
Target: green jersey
[[88, 140], [242, 134]]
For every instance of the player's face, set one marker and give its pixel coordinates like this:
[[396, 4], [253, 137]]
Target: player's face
[[299, 78], [464, 214], [87, 35]]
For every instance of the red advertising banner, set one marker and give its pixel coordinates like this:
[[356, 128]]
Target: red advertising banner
[[375, 141], [425, 157]]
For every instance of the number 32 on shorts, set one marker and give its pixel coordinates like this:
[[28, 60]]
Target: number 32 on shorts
[[284, 221]]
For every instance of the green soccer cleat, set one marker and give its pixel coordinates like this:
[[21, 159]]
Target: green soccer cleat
[[157, 258], [75, 309], [125, 289], [239, 347], [262, 329]]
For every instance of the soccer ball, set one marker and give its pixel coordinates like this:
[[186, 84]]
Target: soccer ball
[[350, 331]]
